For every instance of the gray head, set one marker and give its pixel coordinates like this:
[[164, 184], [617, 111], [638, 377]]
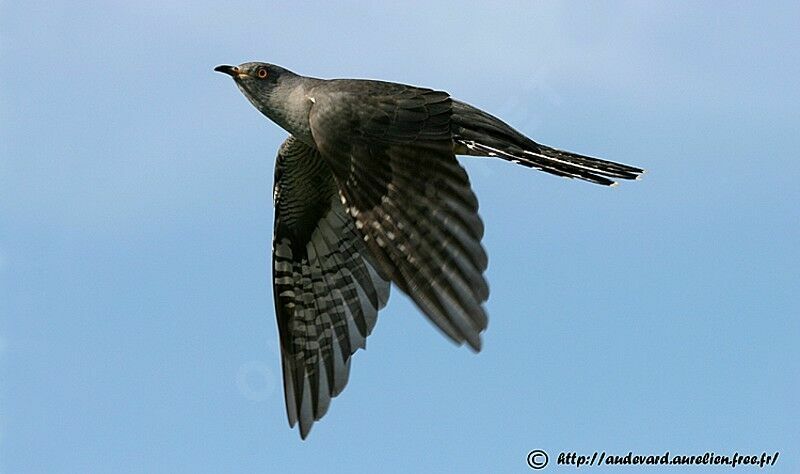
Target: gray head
[[276, 92], [257, 81]]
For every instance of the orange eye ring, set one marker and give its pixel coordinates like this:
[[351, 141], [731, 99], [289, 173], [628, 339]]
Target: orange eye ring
[[262, 73]]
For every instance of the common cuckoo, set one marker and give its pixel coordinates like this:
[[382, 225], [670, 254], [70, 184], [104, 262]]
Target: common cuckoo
[[368, 191]]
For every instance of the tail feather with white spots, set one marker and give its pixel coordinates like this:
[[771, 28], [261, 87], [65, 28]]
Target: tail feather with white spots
[[480, 134]]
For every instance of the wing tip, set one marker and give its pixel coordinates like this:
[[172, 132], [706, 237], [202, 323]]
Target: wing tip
[[305, 429], [475, 343]]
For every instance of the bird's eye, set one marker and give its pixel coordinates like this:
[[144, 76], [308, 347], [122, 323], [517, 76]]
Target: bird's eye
[[262, 73]]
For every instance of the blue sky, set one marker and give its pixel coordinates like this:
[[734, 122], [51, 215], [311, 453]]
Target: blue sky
[[136, 324]]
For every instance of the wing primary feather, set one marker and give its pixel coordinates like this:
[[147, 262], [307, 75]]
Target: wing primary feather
[[326, 292]]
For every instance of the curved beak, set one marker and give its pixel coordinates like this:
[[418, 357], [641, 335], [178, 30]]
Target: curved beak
[[232, 71]]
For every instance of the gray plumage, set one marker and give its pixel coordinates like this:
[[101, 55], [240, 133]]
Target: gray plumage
[[368, 191]]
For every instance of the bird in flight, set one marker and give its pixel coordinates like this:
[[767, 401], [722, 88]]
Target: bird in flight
[[368, 192]]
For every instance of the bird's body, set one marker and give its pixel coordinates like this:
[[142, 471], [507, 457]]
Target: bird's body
[[368, 191]]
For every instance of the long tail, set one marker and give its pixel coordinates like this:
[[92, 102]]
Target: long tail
[[482, 134]]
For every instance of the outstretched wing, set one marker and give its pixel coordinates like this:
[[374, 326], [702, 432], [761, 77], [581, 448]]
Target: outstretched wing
[[391, 150], [327, 294]]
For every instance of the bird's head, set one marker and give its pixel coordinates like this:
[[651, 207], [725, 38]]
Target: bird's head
[[257, 81]]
